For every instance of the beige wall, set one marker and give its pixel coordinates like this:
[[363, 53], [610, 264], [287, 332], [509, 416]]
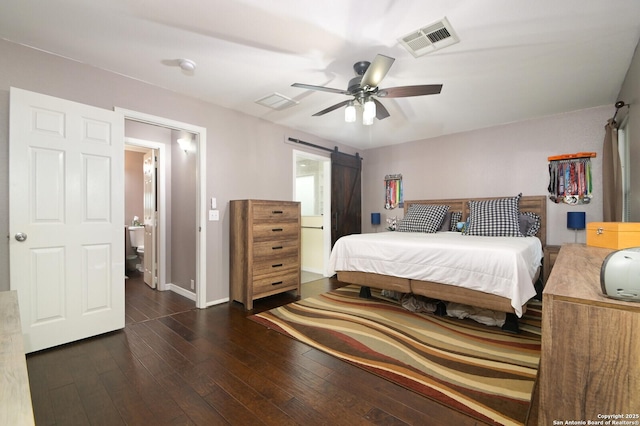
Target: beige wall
[[246, 156], [502, 160], [506, 160]]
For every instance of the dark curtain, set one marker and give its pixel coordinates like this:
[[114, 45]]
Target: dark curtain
[[611, 175]]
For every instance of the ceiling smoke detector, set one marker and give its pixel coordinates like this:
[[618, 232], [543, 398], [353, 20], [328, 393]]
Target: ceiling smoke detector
[[187, 65], [430, 38]]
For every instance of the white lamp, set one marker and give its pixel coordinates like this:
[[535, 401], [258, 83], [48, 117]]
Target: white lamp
[[185, 144], [350, 113], [369, 112]]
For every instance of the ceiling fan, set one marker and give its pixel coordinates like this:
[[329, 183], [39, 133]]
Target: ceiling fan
[[364, 89]]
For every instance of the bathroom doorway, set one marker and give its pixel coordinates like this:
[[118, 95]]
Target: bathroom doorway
[[169, 155], [312, 184], [143, 200]]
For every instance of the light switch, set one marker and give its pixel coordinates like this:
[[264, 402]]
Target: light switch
[[214, 215], [214, 203]]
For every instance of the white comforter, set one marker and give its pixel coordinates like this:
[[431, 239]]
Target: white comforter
[[504, 266]]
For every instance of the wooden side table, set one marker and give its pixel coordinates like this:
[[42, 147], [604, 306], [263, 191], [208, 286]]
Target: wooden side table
[[550, 255]]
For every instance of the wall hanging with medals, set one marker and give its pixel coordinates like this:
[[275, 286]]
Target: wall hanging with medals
[[393, 191], [570, 178]]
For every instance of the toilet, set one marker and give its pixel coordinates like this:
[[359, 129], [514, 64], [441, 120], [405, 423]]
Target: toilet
[[136, 235]]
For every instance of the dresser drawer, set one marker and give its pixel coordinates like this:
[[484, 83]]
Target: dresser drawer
[[276, 283], [276, 264], [275, 212], [276, 231], [276, 248]]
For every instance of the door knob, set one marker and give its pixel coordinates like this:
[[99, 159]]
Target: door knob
[[21, 236]]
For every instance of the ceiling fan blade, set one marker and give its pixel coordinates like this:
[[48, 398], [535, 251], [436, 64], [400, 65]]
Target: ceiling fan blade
[[376, 71], [331, 108], [320, 88], [381, 111], [406, 91]]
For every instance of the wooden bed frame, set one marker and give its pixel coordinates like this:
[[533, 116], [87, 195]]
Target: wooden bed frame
[[536, 204]]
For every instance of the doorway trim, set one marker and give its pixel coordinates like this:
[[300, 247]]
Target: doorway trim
[[201, 223]]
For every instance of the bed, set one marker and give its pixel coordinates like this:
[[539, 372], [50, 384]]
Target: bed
[[349, 260]]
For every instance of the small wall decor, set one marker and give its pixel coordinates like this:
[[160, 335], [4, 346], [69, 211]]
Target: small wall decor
[[393, 191], [570, 178]]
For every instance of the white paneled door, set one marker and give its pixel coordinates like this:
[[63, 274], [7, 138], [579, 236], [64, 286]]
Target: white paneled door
[[66, 172]]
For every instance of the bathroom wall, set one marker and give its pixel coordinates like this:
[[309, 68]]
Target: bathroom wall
[[183, 212], [312, 241]]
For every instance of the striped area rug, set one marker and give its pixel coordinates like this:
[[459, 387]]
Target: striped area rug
[[478, 370]]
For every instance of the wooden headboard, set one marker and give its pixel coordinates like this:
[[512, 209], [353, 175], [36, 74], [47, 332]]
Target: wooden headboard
[[532, 203]]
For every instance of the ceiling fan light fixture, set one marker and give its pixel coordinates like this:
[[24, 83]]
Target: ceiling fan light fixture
[[369, 112], [350, 113], [364, 91]]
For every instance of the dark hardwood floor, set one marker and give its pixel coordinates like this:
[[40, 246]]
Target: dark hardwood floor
[[174, 364]]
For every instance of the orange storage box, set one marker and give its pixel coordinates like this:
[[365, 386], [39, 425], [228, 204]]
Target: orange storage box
[[613, 235]]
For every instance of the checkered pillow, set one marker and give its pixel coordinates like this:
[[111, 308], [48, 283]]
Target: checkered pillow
[[455, 218], [494, 218], [423, 218], [532, 224]]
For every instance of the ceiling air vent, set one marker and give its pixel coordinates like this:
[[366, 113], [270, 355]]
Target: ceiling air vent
[[430, 38], [276, 101]]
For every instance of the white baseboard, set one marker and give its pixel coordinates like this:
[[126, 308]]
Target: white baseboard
[[217, 302], [192, 295], [313, 271], [181, 291]]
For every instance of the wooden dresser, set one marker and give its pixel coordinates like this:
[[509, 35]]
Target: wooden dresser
[[264, 249], [590, 360]]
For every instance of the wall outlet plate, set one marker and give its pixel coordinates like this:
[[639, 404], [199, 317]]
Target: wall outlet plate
[[214, 215]]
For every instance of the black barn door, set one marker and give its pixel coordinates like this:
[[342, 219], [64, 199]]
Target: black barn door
[[346, 195]]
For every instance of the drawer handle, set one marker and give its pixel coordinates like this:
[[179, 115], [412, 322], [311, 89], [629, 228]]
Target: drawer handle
[[277, 265], [277, 212], [599, 231], [277, 283], [277, 229], [277, 248]]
